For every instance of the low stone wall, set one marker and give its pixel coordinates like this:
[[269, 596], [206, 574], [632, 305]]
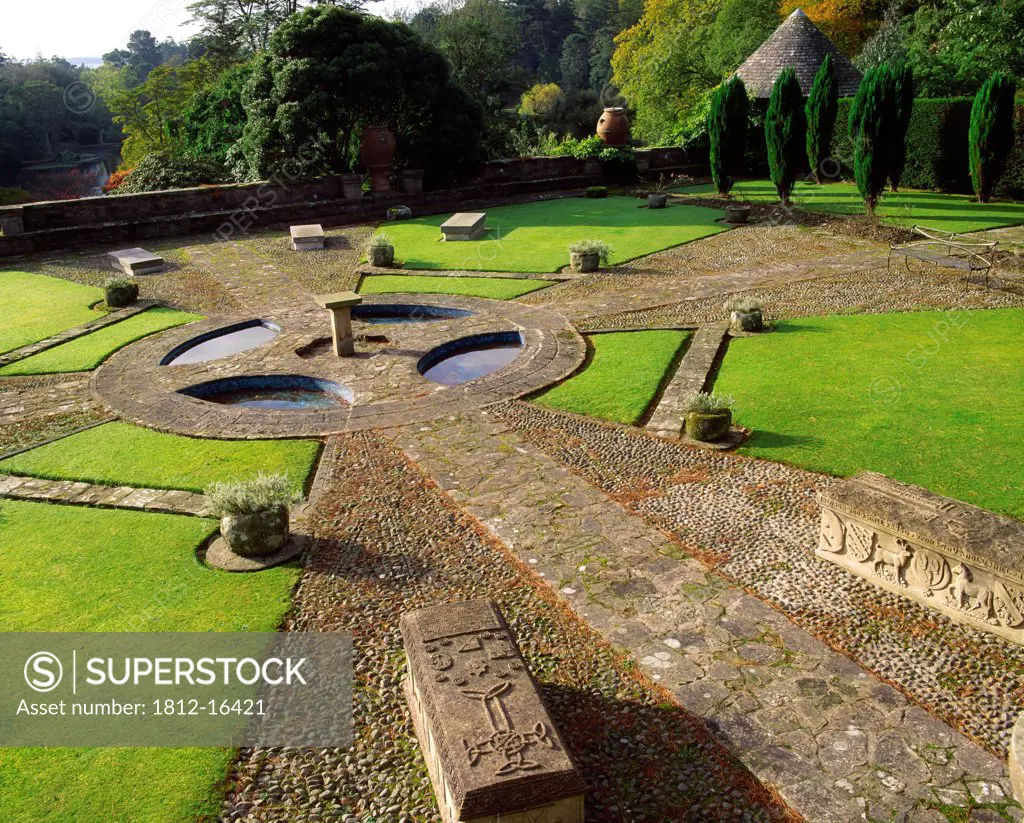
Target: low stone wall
[[961, 560], [232, 208]]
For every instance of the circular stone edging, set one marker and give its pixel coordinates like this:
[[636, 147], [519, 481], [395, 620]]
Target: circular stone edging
[[221, 557]]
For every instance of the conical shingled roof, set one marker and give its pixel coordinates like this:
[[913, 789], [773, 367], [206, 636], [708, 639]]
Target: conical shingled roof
[[800, 44]]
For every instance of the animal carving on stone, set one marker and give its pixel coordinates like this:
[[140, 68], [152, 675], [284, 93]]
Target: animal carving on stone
[[889, 564], [970, 596]]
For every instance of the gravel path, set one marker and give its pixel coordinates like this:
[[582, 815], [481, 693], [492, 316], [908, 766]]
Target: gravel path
[[387, 540]]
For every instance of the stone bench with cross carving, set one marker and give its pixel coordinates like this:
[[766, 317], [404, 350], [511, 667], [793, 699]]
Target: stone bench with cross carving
[[493, 753], [964, 561]]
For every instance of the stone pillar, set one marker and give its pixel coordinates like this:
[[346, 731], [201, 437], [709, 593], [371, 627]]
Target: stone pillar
[[340, 306], [12, 221]]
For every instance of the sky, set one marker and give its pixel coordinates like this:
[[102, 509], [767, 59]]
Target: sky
[[73, 28]]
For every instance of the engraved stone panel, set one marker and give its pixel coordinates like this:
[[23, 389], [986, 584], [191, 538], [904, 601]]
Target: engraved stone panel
[[493, 753], [964, 561]]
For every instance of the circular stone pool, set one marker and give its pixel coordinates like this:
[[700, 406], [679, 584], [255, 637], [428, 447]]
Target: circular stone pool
[[272, 391], [223, 342], [470, 358]]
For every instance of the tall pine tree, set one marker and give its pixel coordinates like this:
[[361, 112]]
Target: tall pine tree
[[727, 131], [991, 135], [871, 125], [822, 108], [785, 128], [902, 90]]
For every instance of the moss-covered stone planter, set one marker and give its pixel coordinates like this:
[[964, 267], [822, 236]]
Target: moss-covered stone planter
[[746, 321], [737, 214], [708, 426], [119, 295], [381, 256], [256, 534], [656, 201], [584, 262]]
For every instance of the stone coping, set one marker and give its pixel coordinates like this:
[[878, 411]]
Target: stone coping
[[990, 540], [490, 741], [134, 385], [338, 300]]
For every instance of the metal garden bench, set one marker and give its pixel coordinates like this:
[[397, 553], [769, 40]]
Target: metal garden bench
[[947, 249]]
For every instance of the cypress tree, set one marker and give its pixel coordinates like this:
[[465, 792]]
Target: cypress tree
[[822, 108], [902, 89], [727, 131], [991, 135], [871, 124], [785, 128]]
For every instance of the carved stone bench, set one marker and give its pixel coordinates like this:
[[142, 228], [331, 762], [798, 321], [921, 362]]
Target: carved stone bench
[[964, 561], [137, 261], [493, 754], [464, 226]]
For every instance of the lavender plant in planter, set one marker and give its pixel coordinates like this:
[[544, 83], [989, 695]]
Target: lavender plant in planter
[[380, 252], [119, 292], [708, 417], [586, 255], [745, 315], [253, 513]]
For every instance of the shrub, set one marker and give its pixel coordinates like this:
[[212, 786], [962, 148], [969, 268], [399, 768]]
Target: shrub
[[785, 129], [161, 171], [120, 292], [262, 493], [902, 90], [727, 133], [871, 126], [13, 196], [598, 247], [378, 241], [704, 402], [991, 133], [116, 180], [597, 191], [822, 108]]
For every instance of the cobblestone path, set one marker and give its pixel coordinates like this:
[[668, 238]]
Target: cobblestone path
[[839, 744]]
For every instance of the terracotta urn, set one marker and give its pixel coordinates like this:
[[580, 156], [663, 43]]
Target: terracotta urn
[[613, 126], [378, 148], [256, 534]]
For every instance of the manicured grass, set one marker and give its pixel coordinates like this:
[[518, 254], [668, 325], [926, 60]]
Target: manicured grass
[[493, 287], [90, 350], [949, 212], [622, 377], [535, 237], [120, 454], [930, 398], [36, 307], [71, 568]]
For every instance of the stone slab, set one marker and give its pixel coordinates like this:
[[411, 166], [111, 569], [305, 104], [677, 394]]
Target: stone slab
[[491, 748], [308, 237], [338, 300], [464, 226], [221, 557], [1015, 761], [137, 261], [964, 561]]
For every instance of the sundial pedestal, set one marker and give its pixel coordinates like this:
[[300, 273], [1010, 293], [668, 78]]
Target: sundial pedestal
[[340, 306]]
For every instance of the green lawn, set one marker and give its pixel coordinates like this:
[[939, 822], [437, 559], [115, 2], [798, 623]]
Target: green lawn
[[90, 350], [493, 287], [930, 398], [622, 377], [949, 212], [120, 454], [36, 307], [72, 568], [535, 237]]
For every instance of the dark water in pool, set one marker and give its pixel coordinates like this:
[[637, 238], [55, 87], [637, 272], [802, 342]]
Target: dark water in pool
[[276, 399], [223, 345], [405, 313], [469, 364]]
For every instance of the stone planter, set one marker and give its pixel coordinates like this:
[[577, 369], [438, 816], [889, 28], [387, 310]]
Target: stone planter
[[121, 295], [746, 321], [256, 534], [737, 214], [412, 181], [708, 426], [584, 262], [381, 256], [656, 201], [352, 186]]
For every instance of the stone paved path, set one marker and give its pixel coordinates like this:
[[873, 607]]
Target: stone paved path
[[77, 331], [17, 487], [252, 281], [839, 744], [689, 379], [28, 398]]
